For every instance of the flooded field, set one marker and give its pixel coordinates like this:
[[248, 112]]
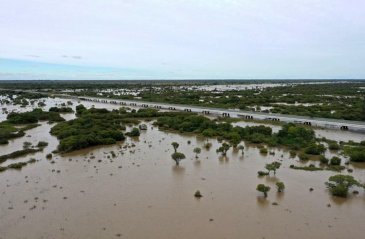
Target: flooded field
[[140, 192]]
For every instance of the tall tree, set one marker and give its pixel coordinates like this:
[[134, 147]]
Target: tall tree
[[175, 145]]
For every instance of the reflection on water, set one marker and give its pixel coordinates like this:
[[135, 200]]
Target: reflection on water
[[141, 193], [279, 196], [178, 170], [338, 200], [262, 202], [271, 179], [197, 163], [223, 159]]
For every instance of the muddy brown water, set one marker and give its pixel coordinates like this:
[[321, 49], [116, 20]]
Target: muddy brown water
[[141, 193]]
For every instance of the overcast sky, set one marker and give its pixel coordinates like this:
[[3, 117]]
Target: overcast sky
[[179, 39]]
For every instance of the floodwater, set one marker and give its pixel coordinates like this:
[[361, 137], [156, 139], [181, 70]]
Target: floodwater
[[141, 193]]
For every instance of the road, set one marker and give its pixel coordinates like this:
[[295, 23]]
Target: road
[[357, 126]]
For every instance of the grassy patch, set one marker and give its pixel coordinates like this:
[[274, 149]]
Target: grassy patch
[[17, 154]]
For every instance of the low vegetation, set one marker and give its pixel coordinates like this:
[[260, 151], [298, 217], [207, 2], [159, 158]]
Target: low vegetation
[[61, 109], [356, 153], [262, 173], [312, 167], [293, 136], [8, 131], [315, 149], [133, 133], [17, 166], [326, 100], [19, 153], [92, 127], [335, 161], [263, 151], [42, 144], [33, 117], [339, 185], [100, 127]]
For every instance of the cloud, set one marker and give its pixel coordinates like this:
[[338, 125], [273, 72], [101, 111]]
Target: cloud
[[33, 56], [198, 39]]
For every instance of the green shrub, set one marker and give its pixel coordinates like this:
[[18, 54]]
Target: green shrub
[[315, 149], [336, 168], [280, 186], [27, 145], [339, 190], [18, 153], [207, 145], [133, 133], [42, 144], [61, 110], [356, 153], [303, 156], [293, 153], [177, 157], [333, 145], [9, 131], [295, 136], [223, 149], [92, 127], [33, 117], [335, 161], [306, 168], [263, 188], [323, 159], [17, 165], [262, 173], [339, 185], [263, 151], [273, 167]]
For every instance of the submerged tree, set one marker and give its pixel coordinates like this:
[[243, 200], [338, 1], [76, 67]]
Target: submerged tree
[[198, 194], [280, 186], [339, 185], [134, 132], [335, 161], [223, 149], [273, 167], [175, 145], [178, 157], [27, 145], [263, 188], [234, 138], [197, 151], [207, 145], [262, 173]]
